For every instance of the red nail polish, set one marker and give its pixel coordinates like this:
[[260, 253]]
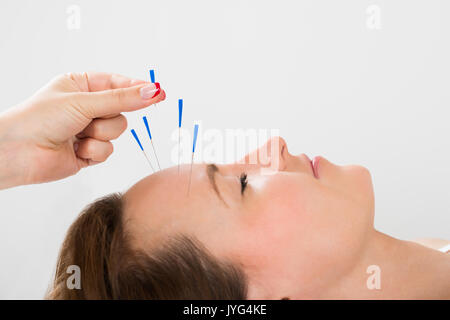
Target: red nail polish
[[157, 91]]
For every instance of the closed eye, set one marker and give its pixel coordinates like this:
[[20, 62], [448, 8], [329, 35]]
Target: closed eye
[[244, 181]]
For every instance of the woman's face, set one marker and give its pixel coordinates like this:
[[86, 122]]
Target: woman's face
[[294, 229]]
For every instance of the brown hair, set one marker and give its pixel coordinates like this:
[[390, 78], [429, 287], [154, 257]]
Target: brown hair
[[181, 268]]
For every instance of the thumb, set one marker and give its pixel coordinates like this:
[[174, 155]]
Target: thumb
[[109, 102]]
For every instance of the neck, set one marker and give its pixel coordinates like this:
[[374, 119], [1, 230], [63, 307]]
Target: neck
[[406, 271]]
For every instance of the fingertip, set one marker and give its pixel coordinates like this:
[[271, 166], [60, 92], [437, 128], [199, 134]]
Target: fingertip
[[104, 154], [150, 91], [123, 122], [162, 95], [108, 150], [111, 148]]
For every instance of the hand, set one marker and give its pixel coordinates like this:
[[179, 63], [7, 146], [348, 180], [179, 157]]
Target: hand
[[68, 125]]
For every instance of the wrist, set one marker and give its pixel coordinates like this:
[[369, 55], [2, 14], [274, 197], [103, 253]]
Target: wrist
[[11, 174]]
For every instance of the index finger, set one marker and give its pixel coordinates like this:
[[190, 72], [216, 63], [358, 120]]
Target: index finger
[[100, 81]]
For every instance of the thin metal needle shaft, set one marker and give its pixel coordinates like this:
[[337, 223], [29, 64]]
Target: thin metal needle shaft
[[179, 147], [193, 151], [154, 151], [190, 174], [148, 160], [151, 140], [142, 148], [180, 117]]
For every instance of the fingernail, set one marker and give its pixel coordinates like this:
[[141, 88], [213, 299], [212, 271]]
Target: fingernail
[[150, 91]]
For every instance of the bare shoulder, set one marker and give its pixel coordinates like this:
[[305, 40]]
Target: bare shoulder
[[432, 243]]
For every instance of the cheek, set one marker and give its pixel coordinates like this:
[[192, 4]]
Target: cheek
[[279, 198], [276, 217], [298, 217]]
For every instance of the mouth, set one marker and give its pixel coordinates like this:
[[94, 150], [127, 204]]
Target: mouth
[[313, 163], [315, 166]]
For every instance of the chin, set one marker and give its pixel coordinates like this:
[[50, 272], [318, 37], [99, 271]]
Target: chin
[[361, 187]]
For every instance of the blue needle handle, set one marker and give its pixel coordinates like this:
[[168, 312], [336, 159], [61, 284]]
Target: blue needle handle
[[137, 139], [146, 125], [180, 111], [152, 75], [195, 137]]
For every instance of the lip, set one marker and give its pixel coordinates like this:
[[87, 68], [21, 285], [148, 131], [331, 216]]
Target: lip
[[315, 166], [311, 163]]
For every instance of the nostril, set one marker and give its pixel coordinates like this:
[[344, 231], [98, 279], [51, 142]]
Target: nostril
[[280, 143], [283, 154]]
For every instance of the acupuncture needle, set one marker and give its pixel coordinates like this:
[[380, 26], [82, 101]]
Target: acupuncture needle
[[193, 151], [180, 114], [152, 79], [151, 140], [140, 146]]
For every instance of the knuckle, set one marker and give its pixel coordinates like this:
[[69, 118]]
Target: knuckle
[[98, 129], [119, 95], [77, 78], [68, 75], [63, 76], [80, 102]]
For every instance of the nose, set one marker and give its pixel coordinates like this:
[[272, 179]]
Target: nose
[[272, 154]]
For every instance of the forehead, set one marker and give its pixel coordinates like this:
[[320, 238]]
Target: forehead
[[170, 183], [161, 200]]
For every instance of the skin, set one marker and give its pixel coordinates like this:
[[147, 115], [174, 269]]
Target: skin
[[67, 125], [296, 235]]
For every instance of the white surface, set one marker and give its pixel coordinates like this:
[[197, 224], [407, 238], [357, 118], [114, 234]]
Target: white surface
[[309, 68]]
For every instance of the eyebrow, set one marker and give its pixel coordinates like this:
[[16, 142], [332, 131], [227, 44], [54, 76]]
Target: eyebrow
[[211, 170]]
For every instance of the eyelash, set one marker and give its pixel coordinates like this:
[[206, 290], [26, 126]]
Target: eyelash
[[244, 181]]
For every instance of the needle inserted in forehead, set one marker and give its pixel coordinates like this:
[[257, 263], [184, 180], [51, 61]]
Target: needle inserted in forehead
[[193, 151], [180, 114], [140, 146], [151, 140]]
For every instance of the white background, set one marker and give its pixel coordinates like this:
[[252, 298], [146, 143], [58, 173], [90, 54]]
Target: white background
[[312, 69]]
